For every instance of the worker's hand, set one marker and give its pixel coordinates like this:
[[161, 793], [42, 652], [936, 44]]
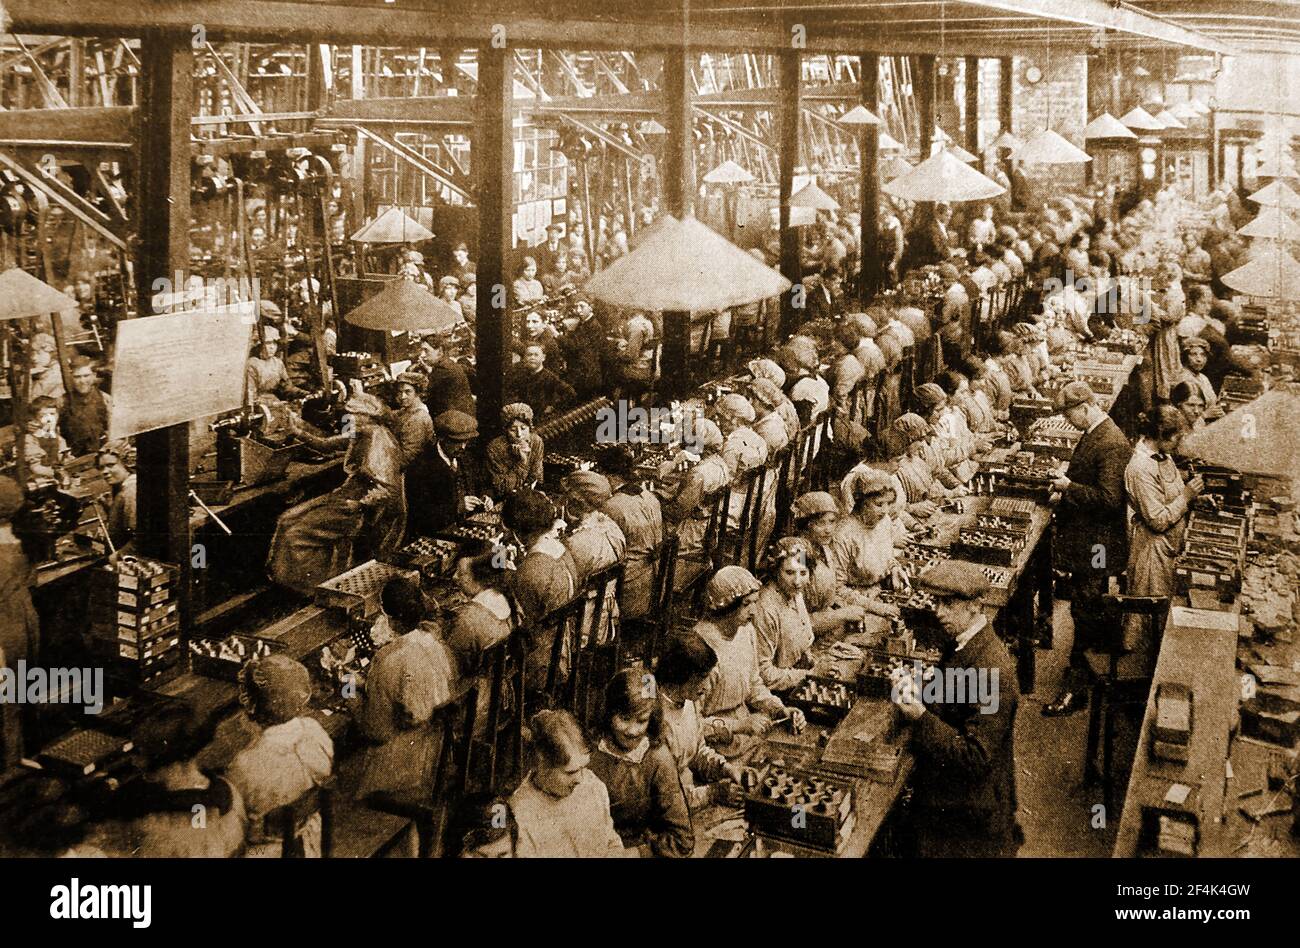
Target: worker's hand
[[726, 793], [904, 695], [473, 503], [1194, 487], [923, 509], [797, 721], [350, 506], [851, 614], [886, 609], [720, 733], [1061, 484], [758, 725], [898, 576]]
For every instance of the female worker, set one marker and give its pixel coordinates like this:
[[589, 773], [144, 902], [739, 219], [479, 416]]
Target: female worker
[[515, 457], [1196, 355], [411, 423], [527, 288], [863, 546], [686, 510], [290, 756], [362, 518], [829, 607], [1158, 500], [408, 680], [639, 516], [736, 700], [594, 540], [561, 807], [681, 672], [783, 628], [646, 799]]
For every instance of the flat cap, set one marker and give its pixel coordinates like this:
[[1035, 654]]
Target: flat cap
[[363, 403], [413, 379], [1073, 394], [589, 486], [954, 578], [449, 280], [730, 584], [270, 334], [456, 425], [931, 396]]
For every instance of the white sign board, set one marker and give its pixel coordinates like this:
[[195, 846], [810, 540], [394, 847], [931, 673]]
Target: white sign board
[[172, 369]]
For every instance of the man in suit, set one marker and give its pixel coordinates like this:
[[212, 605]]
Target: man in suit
[[448, 387], [963, 734], [930, 242], [1091, 531], [438, 479]]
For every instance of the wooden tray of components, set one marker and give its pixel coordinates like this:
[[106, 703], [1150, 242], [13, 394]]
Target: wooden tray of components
[[426, 554], [994, 547], [359, 586], [1101, 384], [1012, 508], [1051, 446], [810, 810], [992, 521], [224, 658], [822, 700]]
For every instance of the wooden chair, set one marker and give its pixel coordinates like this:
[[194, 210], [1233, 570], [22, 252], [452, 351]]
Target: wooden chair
[[1122, 678], [429, 813], [692, 573], [578, 644], [737, 547], [288, 822], [651, 629], [505, 667]]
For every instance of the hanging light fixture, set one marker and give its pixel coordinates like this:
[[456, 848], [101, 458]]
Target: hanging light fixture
[[1049, 148], [1168, 119], [890, 143], [1008, 141], [961, 154], [728, 173], [1270, 275], [1276, 194], [1272, 224], [1106, 125], [859, 115], [1139, 119], [944, 178]]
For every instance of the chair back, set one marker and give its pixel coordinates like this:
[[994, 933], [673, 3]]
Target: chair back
[[288, 822]]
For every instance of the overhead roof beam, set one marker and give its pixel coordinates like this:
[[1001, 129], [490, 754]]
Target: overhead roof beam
[[279, 21]]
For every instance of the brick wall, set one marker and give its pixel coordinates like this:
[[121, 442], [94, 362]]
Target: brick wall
[[1059, 99]]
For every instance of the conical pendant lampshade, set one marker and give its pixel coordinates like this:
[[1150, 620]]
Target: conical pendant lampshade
[[685, 267], [402, 306], [1007, 140], [393, 227], [1168, 119], [814, 197], [1141, 120], [1273, 274], [1272, 224], [1106, 125], [890, 143], [859, 115], [943, 177], [23, 295], [1049, 148], [728, 173], [1276, 194]]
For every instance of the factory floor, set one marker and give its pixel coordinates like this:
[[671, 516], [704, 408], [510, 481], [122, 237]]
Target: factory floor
[[1056, 811]]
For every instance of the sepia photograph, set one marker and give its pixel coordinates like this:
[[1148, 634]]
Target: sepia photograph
[[681, 429]]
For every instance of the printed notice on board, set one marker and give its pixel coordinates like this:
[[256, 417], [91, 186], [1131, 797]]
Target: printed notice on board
[[172, 369]]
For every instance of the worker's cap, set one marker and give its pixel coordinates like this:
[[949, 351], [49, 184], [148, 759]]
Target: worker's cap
[[869, 482], [789, 548], [588, 486], [930, 396], [517, 411], [43, 340], [449, 281], [862, 325], [268, 308], [456, 426], [730, 584], [954, 579], [1027, 330], [1195, 342], [461, 246], [905, 336], [766, 393], [737, 406], [814, 504], [413, 379], [891, 350], [413, 256], [274, 688], [363, 403], [555, 228], [800, 354], [949, 272], [270, 334], [11, 497], [707, 434], [767, 369], [870, 356], [1074, 394], [912, 426]]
